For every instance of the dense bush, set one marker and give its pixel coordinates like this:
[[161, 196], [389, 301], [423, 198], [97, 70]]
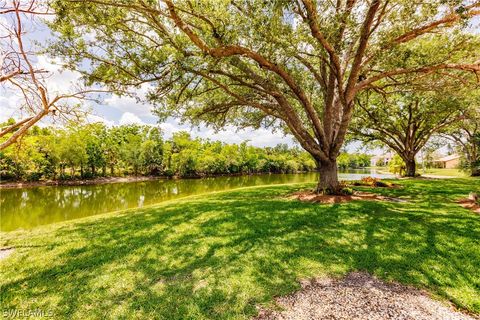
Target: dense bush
[[92, 150], [356, 160], [396, 165]]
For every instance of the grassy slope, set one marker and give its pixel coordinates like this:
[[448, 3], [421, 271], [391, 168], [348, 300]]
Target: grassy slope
[[444, 172], [218, 256]]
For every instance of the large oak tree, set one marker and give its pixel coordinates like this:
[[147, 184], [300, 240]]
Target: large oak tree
[[465, 133], [295, 65], [405, 121]]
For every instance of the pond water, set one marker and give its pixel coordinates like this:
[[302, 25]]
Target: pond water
[[25, 208]]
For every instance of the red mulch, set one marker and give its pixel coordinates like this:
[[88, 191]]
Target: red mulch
[[309, 196], [383, 185], [469, 204]]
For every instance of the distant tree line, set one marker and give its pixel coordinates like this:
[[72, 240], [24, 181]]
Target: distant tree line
[[355, 160], [95, 150]]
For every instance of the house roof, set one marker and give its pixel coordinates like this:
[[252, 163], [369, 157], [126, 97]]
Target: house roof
[[449, 158]]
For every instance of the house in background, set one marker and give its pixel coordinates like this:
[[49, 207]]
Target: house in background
[[381, 160], [448, 162]]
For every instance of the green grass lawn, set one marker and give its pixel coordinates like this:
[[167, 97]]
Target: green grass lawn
[[218, 256], [443, 172]]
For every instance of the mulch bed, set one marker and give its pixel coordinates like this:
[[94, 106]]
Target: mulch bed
[[359, 296], [470, 204], [379, 184], [309, 196]]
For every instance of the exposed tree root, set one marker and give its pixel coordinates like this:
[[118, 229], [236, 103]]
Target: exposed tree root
[[309, 196], [469, 204]]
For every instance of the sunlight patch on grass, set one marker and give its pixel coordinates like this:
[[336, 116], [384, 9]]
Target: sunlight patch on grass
[[444, 172], [218, 256]]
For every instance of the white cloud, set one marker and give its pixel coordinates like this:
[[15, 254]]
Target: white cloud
[[92, 118], [4, 32], [474, 25], [261, 137], [258, 137], [48, 18], [130, 104], [130, 118], [60, 80], [9, 105], [169, 128], [48, 64]]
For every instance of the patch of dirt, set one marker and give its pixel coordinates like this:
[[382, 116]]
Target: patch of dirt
[[392, 186], [4, 253], [77, 182], [359, 296], [377, 185], [470, 204], [309, 196], [436, 177]]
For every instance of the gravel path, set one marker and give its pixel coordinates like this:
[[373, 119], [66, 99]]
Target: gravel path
[[360, 296]]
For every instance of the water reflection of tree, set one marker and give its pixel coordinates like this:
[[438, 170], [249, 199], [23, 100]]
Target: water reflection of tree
[[30, 207]]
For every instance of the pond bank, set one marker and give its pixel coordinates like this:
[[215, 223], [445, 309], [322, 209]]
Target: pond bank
[[34, 206], [15, 184], [77, 182], [104, 180]]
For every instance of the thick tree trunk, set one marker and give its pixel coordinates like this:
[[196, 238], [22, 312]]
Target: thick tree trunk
[[410, 167], [473, 163], [328, 182], [475, 171]]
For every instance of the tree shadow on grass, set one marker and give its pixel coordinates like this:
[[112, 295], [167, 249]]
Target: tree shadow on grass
[[218, 257]]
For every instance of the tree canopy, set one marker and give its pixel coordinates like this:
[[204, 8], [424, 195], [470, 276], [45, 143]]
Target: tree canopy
[[293, 65], [465, 133], [405, 121]]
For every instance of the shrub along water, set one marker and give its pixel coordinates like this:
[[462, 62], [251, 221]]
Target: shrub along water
[[95, 150], [92, 150]]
